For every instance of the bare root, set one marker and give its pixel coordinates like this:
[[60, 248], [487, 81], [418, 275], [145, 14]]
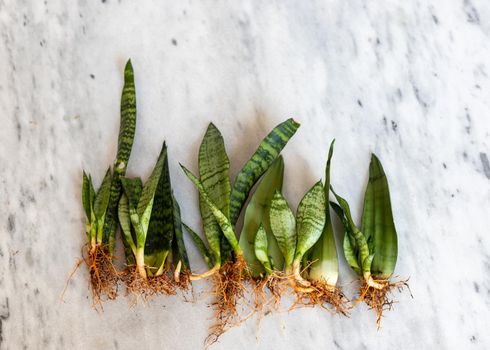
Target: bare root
[[268, 290], [321, 294], [146, 288], [103, 275], [379, 298], [229, 289]]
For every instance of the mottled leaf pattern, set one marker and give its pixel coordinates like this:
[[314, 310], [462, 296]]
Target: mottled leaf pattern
[[283, 226], [310, 219], [260, 161], [260, 249], [125, 143]]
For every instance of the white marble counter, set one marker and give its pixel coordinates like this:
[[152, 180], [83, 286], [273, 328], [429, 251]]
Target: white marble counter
[[409, 81]]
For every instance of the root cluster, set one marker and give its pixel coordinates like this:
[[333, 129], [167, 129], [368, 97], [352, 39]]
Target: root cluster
[[379, 299], [103, 275], [146, 288], [229, 289]]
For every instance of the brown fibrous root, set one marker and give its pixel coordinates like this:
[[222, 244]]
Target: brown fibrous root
[[146, 288], [324, 295], [268, 290], [379, 299], [103, 275], [229, 289]]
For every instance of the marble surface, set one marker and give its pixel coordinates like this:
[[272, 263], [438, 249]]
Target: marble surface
[[408, 80]]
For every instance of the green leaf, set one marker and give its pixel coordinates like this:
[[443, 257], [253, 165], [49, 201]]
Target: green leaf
[[178, 245], [223, 221], [310, 219], [103, 194], [349, 244], [128, 121], [283, 226], [214, 168], [132, 189], [145, 204], [88, 195], [324, 253], [377, 221], [127, 237], [260, 161], [160, 232], [260, 248], [359, 243], [206, 255], [257, 213], [125, 143]]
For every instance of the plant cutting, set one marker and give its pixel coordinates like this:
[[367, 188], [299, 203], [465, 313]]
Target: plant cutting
[[221, 204], [152, 232], [101, 208], [320, 265], [260, 248], [372, 250]]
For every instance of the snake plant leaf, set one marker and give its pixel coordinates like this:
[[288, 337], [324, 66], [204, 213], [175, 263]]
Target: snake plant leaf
[[198, 242], [351, 255], [179, 252], [221, 218], [125, 143], [88, 195], [125, 222], [377, 221], [349, 243], [214, 168], [102, 197], [257, 213], [260, 248], [325, 263], [358, 242], [132, 189], [266, 153], [283, 226], [310, 219], [145, 204], [161, 225]]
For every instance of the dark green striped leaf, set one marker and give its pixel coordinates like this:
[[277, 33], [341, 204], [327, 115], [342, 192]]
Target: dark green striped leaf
[[125, 143], [102, 197], [179, 251], [260, 161], [88, 195], [377, 222], [161, 225], [214, 168]]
